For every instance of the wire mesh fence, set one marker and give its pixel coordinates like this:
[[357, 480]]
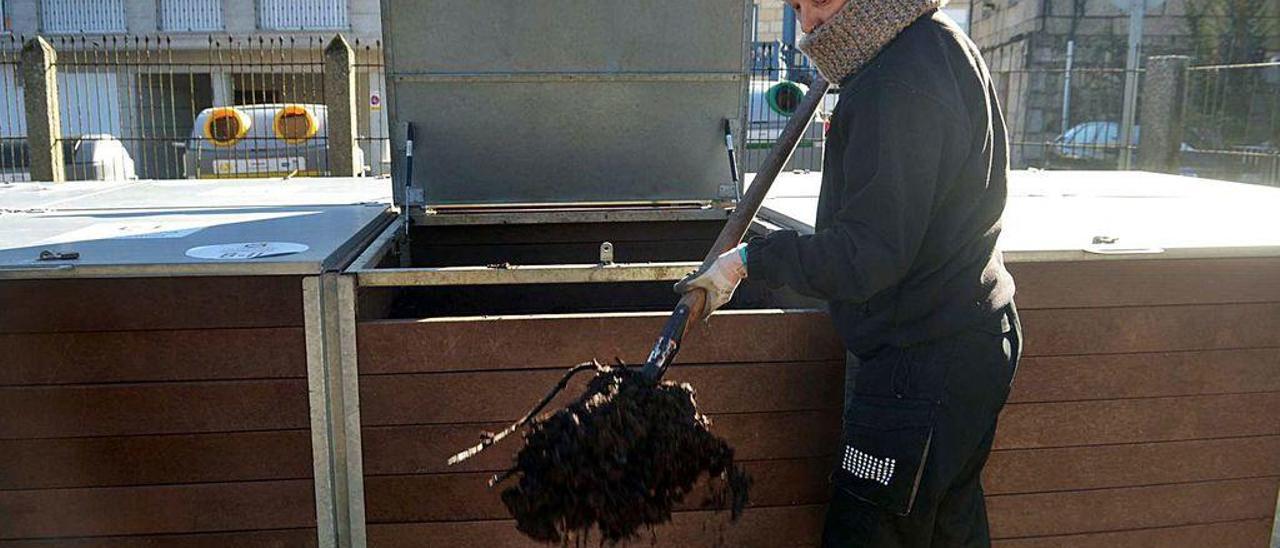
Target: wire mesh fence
[[14, 160], [1233, 123], [1064, 119], [374, 137]]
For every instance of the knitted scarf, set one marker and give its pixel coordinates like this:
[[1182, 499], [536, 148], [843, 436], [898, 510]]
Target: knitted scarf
[[855, 34]]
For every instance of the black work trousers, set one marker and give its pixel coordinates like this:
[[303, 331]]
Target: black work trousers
[[918, 427]]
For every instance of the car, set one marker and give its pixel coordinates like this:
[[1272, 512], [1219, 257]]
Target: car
[[1095, 144], [89, 157], [100, 157]]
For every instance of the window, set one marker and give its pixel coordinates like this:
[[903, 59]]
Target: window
[[190, 15], [302, 14], [82, 16]]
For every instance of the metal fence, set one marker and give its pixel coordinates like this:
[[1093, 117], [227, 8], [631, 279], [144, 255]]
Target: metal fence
[[775, 92], [153, 97], [152, 107], [1060, 119], [13, 123], [1073, 119], [374, 137], [1233, 123]]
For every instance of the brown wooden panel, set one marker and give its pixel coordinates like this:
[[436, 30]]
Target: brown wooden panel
[[508, 395], [161, 509], [406, 346], [157, 408], [1251, 533], [754, 436], [143, 460], [1087, 284], [1151, 329], [130, 356], [287, 538], [1032, 425], [43, 306], [776, 527], [1025, 470], [1112, 376], [1101, 510], [466, 496]]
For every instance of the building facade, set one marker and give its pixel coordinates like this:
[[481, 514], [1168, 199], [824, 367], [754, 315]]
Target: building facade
[[1026, 44]]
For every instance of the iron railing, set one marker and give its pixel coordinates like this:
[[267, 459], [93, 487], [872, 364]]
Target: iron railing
[[774, 93], [146, 95], [1233, 122], [14, 159], [374, 137], [1059, 119]]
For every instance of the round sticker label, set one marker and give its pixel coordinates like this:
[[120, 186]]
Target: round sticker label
[[245, 250]]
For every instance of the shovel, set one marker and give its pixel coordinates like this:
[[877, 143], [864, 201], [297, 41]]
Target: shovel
[[692, 303]]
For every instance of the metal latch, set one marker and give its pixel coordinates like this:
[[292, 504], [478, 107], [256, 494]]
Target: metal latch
[[606, 253], [47, 255]]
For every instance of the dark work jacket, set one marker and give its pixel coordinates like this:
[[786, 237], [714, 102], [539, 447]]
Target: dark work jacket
[[913, 188]]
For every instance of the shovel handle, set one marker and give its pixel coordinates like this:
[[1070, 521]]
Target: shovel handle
[[691, 305]]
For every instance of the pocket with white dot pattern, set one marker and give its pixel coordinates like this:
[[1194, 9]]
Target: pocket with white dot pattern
[[885, 445]]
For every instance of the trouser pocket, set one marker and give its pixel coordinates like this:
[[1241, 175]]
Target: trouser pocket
[[885, 444]]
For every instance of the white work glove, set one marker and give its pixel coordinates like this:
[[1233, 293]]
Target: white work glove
[[719, 280]]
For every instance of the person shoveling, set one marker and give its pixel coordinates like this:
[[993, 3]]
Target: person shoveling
[[904, 252]]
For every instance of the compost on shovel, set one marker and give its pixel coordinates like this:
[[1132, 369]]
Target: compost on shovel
[[616, 460]]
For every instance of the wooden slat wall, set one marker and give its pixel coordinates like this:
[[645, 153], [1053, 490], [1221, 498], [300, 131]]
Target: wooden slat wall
[[1144, 413], [154, 413]]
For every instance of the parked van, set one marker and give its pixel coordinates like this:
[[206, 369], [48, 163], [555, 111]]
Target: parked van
[[274, 140]]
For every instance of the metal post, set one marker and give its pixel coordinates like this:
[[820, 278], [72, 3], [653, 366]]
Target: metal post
[[789, 36], [1162, 109], [44, 122], [1066, 87], [1137, 10], [340, 100], [333, 387]]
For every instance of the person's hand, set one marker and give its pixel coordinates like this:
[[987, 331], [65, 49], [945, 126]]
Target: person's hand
[[719, 280]]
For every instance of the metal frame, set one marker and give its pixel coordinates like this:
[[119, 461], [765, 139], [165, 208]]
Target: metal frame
[[367, 273], [538, 77], [584, 214], [526, 274], [334, 400]]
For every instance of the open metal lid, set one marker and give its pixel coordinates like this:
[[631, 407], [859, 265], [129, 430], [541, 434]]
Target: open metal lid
[[564, 102]]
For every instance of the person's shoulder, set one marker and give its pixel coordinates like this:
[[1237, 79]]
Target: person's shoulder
[[920, 53], [919, 60]]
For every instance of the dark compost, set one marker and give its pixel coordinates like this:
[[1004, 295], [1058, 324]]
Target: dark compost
[[616, 460]]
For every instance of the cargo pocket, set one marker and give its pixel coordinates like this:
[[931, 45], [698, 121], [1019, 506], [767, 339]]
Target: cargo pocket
[[886, 443]]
